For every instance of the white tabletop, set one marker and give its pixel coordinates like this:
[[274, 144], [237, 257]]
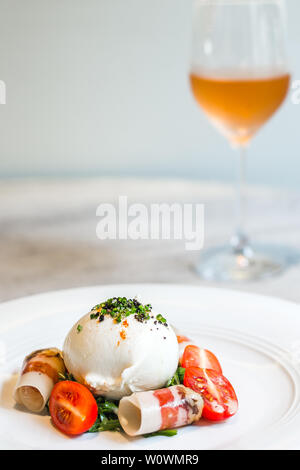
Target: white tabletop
[[48, 234]]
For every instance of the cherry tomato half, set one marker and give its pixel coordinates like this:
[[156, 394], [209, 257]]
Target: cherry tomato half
[[220, 401], [72, 407], [194, 356]]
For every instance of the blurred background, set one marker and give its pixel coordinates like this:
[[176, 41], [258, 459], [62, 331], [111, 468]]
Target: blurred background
[[100, 88]]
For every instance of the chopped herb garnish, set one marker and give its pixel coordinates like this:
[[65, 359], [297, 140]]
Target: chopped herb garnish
[[164, 432], [177, 378], [160, 318], [97, 307], [121, 307], [79, 328]]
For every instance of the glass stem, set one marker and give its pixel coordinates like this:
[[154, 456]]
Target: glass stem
[[239, 241]]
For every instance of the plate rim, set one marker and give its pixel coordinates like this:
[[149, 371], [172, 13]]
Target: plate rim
[[230, 290]]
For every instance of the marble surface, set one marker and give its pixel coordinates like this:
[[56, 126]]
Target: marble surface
[[48, 234]]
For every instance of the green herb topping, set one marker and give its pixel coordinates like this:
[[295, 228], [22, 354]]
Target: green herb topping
[[121, 307], [160, 319], [79, 328]]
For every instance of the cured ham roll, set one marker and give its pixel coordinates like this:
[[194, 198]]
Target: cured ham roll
[[147, 412], [40, 371]]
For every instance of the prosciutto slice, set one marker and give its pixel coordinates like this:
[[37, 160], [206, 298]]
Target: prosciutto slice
[[146, 412], [40, 371]]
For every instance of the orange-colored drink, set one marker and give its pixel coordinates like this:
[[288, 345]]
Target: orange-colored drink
[[239, 107]]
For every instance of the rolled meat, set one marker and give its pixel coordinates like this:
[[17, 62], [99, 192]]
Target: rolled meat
[[167, 408], [40, 371]]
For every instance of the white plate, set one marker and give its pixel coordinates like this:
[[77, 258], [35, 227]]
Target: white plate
[[257, 340]]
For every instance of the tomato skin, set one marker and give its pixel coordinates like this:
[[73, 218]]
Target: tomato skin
[[220, 401], [182, 339], [194, 356], [72, 407]]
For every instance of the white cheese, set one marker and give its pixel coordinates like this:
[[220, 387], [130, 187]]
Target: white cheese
[[117, 359]]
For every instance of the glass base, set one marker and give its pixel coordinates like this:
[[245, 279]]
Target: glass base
[[257, 262]]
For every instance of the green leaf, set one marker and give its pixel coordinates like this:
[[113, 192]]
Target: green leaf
[[180, 373], [107, 419], [177, 378], [164, 432], [65, 376], [108, 407], [107, 425]]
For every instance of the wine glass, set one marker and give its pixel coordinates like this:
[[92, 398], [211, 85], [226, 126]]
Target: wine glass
[[239, 76]]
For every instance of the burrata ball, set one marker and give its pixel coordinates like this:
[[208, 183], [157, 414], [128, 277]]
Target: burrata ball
[[115, 359]]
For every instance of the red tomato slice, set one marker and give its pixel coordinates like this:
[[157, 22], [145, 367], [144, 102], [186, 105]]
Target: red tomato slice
[[194, 356], [220, 401], [72, 407]]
